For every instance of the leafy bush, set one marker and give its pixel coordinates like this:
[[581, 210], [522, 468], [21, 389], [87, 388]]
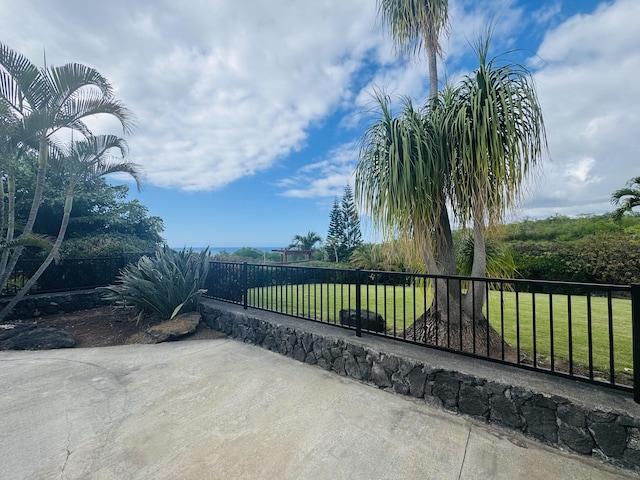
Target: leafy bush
[[166, 284], [105, 245]]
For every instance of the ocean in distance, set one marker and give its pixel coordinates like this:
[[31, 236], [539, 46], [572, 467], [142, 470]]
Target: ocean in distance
[[215, 250]]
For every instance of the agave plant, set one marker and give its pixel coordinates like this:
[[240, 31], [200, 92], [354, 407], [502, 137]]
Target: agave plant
[[166, 284]]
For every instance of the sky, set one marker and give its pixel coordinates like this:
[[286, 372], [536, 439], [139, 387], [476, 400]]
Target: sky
[[249, 113]]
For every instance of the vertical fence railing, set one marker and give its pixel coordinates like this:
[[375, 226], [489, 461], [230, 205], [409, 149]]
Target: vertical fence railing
[[68, 275], [635, 320], [588, 332]]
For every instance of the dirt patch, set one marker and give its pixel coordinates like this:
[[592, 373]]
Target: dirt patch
[[107, 326]]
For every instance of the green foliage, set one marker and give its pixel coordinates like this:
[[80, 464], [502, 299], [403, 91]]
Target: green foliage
[[36, 103], [352, 233], [560, 228], [500, 261], [306, 242], [387, 257], [369, 256], [100, 213], [626, 199], [105, 245], [334, 246], [165, 285], [248, 253], [584, 249], [344, 234]]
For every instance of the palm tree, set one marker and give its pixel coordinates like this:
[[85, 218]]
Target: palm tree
[[9, 166], [632, 194], [417, 24], [44, 101], [82, 161], [471, 147], [306, 242], [499, 138]]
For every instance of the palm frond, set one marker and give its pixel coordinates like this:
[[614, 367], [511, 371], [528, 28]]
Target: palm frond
[[632, 200]]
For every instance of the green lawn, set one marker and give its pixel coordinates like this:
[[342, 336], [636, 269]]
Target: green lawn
[[401, 305]]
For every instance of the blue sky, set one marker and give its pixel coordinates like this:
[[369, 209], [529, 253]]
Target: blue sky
[[249, 112]]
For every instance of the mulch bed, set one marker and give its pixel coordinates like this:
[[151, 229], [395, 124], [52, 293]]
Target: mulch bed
[[107, 326]]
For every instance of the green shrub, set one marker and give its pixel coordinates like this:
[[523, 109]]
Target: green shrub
[[105, 245], [166, 284]]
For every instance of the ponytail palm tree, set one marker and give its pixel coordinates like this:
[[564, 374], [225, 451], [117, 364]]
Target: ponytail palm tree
[[468, 150], [417, 24], [79, 163], [499, 138]]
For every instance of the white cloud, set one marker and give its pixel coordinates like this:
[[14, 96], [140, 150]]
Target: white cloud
[[586, 78], [325, 178], [580, 172], [221, 90]]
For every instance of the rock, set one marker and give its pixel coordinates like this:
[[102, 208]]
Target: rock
[[446, 387], [369, 320], [473, 401], [541, 422], [380, 376], [577, 439], [38, 339], [417, 379], [14, 330], [504, 411], [610, 437], [170, 330]]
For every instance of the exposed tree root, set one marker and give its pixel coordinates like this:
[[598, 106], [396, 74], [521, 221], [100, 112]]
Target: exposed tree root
[[477, 337]]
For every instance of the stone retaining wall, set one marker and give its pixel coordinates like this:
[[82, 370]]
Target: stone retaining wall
[[51, 303], [592, 429]]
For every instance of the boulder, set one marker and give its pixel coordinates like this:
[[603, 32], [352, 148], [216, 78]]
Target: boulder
[[29, 338], [173, 329], [369, 320], [9, 331]]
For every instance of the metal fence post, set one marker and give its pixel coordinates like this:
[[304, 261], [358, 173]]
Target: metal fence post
[[358, 303], [245, 286], [635, 330]]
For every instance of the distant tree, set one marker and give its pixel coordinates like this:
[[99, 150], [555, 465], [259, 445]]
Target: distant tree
[[370, 256], [248, 252], [631, 195], [352, 233], [335, 244], [306, 242]]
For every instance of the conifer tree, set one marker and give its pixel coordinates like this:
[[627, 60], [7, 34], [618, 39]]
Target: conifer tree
[[335, 245], [352, 234]]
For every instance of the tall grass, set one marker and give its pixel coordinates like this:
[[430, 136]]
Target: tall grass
[[525, 321]]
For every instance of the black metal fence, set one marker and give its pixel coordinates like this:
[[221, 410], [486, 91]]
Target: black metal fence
[[69, 274], [576, 330]]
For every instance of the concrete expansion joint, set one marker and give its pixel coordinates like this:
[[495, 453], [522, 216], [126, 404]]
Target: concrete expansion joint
[[68, 445], [464, 456]]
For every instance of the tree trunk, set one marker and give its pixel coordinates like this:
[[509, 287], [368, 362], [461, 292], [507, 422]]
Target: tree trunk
[[459, 331], [43, 160], [477, 290], [8, 220], [68, 205]]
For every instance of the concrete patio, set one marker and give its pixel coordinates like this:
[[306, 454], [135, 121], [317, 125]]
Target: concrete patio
[[221, 409]]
